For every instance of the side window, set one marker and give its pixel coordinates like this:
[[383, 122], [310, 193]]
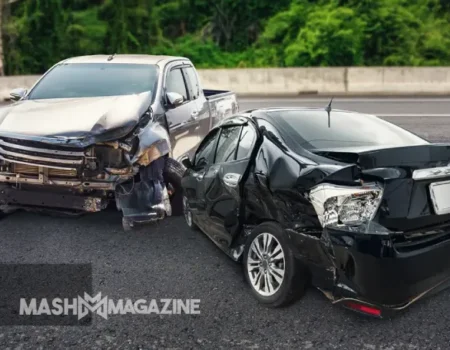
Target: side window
[[175, 83], [205, 152], [246, 142], [194, 86], [228, 141]]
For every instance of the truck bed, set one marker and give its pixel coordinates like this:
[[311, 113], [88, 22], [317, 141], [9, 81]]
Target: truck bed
[[222, 104], [216, 94]]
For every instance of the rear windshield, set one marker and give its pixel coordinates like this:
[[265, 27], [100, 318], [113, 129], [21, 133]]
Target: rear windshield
[[310, 130], [95, 79]]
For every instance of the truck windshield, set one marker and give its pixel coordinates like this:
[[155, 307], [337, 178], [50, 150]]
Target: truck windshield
[[309, 129], [95, 79]]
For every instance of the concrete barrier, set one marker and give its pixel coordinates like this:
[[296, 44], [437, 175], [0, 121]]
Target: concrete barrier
[[276, 81], [298, 81], [399, 81]]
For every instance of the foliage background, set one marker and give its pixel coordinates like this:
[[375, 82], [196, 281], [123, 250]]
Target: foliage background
[[231, 33]]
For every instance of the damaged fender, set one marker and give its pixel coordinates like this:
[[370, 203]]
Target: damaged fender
[[146, 199]]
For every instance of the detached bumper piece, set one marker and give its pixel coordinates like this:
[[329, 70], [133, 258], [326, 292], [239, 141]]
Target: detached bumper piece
[[146, 200], [11, 197]]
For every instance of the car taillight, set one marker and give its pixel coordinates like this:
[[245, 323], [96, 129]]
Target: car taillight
[[343, 205]]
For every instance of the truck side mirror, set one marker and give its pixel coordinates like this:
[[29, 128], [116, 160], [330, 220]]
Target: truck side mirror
[[186, 162], [174, 99], [18, 94]]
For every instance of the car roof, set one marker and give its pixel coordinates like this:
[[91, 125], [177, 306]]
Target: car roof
[[130, 59], [269, 110]]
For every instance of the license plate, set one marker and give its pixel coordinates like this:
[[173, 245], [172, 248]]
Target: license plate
[[440, 196]]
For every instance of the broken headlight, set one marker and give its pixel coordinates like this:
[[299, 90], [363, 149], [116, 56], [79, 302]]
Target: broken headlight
[[342, 205]]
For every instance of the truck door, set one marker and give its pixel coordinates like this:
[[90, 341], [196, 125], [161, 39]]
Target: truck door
[[182, 117], [204, 115]]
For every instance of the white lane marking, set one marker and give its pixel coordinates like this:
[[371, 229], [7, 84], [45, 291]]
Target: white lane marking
[[423, 115], [344, 100]]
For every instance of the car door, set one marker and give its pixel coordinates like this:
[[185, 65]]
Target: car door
[[181, 119], [192, 180], [219, 190]]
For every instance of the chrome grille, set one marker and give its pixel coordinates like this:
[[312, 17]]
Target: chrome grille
[[25, 169], [21, 153]]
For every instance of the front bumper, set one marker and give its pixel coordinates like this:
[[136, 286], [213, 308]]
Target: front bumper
[[12, 198], [388, 272]]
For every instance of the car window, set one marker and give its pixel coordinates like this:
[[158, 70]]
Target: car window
[[175, 83], [246, 142], [77, 80], [194, 86], [205, 152], [313, 129], [228, 141]]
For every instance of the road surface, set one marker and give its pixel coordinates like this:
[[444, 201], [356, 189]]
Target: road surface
[[170, 261]]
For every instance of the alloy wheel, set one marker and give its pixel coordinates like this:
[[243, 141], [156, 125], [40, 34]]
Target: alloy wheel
[[266, 264]]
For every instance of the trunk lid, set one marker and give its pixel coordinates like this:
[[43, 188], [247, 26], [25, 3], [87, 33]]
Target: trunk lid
[[415, 182]]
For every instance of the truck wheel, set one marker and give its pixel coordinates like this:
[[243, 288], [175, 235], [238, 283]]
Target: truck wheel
[[275, 276], [173, 173]]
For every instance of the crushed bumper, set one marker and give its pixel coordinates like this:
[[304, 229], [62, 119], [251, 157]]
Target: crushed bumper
[[12, 197], [386, 272]]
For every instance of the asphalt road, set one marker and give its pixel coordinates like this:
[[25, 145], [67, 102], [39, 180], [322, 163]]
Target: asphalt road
[[170, 261]]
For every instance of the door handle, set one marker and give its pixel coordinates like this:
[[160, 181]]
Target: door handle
[[231, 179], [194, 115]]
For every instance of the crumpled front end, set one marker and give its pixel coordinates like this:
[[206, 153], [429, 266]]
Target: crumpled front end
[[70, 175]]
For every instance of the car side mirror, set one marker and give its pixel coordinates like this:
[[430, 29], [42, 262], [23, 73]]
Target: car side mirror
[[174, 99], [18, 94], [186, 162]]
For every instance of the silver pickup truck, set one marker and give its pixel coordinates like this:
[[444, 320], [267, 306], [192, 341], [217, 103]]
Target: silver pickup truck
[[100, 129]]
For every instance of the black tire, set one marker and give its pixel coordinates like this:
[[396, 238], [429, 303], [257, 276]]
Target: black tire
[[173, 172], [189, 218], [296, 276]]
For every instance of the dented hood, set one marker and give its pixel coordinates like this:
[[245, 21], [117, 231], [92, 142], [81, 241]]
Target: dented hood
[[72, 117]]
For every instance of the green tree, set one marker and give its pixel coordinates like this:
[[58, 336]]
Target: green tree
[[332, 36]]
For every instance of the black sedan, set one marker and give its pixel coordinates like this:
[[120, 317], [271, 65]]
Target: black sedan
[[354, 205]]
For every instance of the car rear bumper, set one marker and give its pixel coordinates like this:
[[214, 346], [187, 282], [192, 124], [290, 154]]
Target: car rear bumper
[[388, 272]]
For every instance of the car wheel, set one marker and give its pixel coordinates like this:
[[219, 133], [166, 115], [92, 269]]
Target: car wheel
[[173, 173], [275, 276], [188, 215]]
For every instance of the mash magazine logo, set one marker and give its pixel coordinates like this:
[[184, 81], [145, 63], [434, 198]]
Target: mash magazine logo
[[83, 306]]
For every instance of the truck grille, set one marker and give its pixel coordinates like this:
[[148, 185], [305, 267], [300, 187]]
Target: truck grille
[[25, 169], [33, 154]]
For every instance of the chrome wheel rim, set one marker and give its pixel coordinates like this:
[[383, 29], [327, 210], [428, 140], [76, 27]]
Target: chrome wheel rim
[[266, 264], [187, 212]]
